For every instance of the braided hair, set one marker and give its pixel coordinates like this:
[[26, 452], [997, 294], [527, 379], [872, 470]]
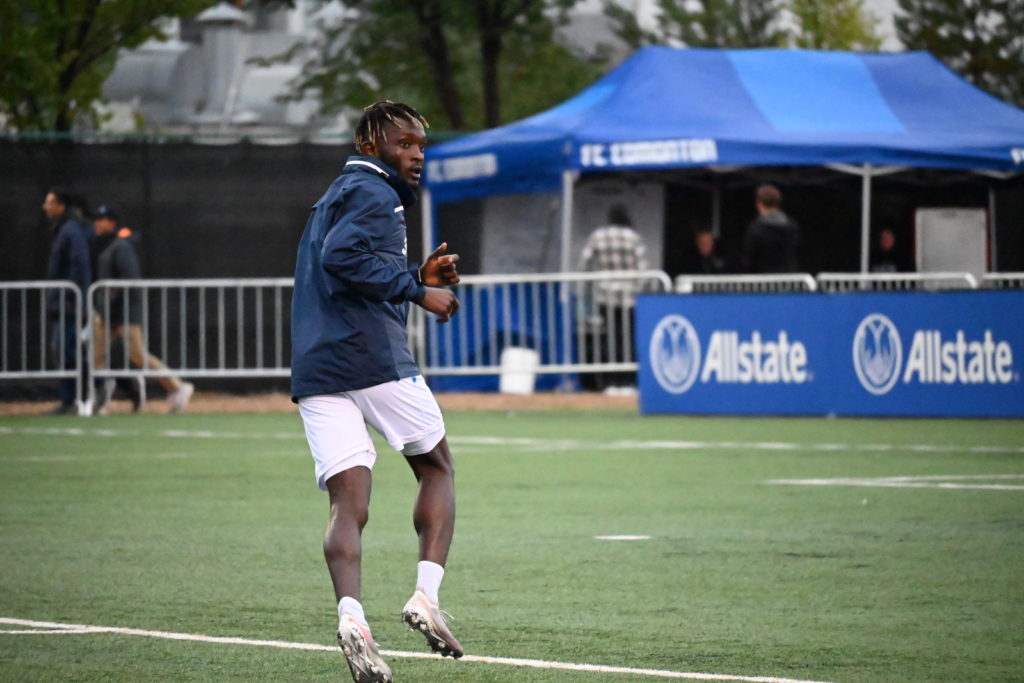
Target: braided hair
[[371, 124]]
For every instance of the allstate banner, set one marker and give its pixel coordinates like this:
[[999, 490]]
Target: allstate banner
[[913, 353]]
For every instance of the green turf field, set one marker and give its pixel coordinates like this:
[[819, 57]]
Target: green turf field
[[211, 525]]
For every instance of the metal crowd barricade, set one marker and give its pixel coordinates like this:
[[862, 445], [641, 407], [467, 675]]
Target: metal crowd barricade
[[895, 282], [575, 322], [195, 328], [745, 284], [33, 340], [1002, 280]]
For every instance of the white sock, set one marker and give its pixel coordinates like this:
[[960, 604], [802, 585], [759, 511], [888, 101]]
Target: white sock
[[353, 608], [428, 578]]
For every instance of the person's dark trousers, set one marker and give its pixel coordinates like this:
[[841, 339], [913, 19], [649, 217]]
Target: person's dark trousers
[[621, 320], [65, 330], [616, 324], [117, 360]]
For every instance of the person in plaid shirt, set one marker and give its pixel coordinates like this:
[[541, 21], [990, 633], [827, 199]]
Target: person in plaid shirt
[[614, 247]]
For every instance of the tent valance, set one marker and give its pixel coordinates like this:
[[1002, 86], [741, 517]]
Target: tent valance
[[667, 108]]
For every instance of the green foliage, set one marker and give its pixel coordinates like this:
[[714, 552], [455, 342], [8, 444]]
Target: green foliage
[[56, 54], [706, 23], [461, 59], [983, 40], [834, 25], [626, 26]]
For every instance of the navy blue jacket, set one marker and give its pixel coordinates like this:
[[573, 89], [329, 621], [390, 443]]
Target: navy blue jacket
[[69, 260], [353, 285], [118, 260]]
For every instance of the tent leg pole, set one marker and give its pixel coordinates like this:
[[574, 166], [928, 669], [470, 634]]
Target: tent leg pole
[[427, 233], [565, 301], [427, 223], [568, 180], [993, 254], [865, 219]]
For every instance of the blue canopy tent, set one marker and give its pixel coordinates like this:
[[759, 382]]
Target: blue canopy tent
[[667, 108]]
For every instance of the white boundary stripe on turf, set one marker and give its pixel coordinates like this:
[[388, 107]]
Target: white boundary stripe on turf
[[543, 444], [934, 481], [53, 627]]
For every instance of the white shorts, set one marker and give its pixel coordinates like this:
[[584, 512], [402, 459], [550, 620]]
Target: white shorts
[[404, 412]]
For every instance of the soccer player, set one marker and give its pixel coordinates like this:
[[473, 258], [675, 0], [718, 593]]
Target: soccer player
[[351, 366]]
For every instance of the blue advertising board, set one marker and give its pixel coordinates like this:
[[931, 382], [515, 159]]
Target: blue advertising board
[[911, 354]]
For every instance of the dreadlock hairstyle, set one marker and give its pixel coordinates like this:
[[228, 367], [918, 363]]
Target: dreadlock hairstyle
[[371, 124]]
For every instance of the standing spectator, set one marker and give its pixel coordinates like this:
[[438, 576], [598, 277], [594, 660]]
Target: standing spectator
[[708, 262], [69, 260], [773, 238], [352, 367], [119, 317], [614, 247]]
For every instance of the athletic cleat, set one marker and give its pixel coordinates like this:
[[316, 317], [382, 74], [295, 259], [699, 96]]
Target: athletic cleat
[[422, 615], [361, 653]]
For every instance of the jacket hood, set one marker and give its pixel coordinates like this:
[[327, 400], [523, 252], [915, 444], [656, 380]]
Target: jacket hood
[[775, 217], [373, 165], [777, 221]]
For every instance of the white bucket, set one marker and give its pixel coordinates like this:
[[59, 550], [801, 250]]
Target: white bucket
[[518, 370]]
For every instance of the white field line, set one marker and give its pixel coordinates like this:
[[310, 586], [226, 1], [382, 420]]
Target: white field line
[[527, 443], [59, 631], [932, 481], [75, 457], [52, 628]]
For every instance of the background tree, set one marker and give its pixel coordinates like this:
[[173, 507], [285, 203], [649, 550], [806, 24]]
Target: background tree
[[56, 54], [480, 62], [834, 25], [704, 23], [983, 40]]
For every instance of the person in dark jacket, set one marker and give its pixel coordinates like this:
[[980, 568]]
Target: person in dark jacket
[[887, 257], [773, 238], [69, 260], [708, 262], [119, 312], [351, 366]]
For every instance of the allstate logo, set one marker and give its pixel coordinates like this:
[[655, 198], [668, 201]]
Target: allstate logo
[[877, 354], [675, 354]]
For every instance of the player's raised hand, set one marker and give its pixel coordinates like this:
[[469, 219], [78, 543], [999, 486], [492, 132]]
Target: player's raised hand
[[441, 303], [439, 268]]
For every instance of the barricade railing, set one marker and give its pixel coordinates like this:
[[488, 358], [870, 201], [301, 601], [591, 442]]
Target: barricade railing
[[745, 284], [895, 282], [1002, 280], [39, 332], [575, 322], [222, 328], [239, 328]]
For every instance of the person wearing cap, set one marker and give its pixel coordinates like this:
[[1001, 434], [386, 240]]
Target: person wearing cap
[[119, 317], [134, 387]]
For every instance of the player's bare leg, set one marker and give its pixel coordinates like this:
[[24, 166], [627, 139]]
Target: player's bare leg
[[349, 493], [434, 519], [433, 514]]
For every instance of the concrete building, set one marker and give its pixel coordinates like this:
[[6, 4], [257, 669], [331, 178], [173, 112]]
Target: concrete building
[[204, 80]]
